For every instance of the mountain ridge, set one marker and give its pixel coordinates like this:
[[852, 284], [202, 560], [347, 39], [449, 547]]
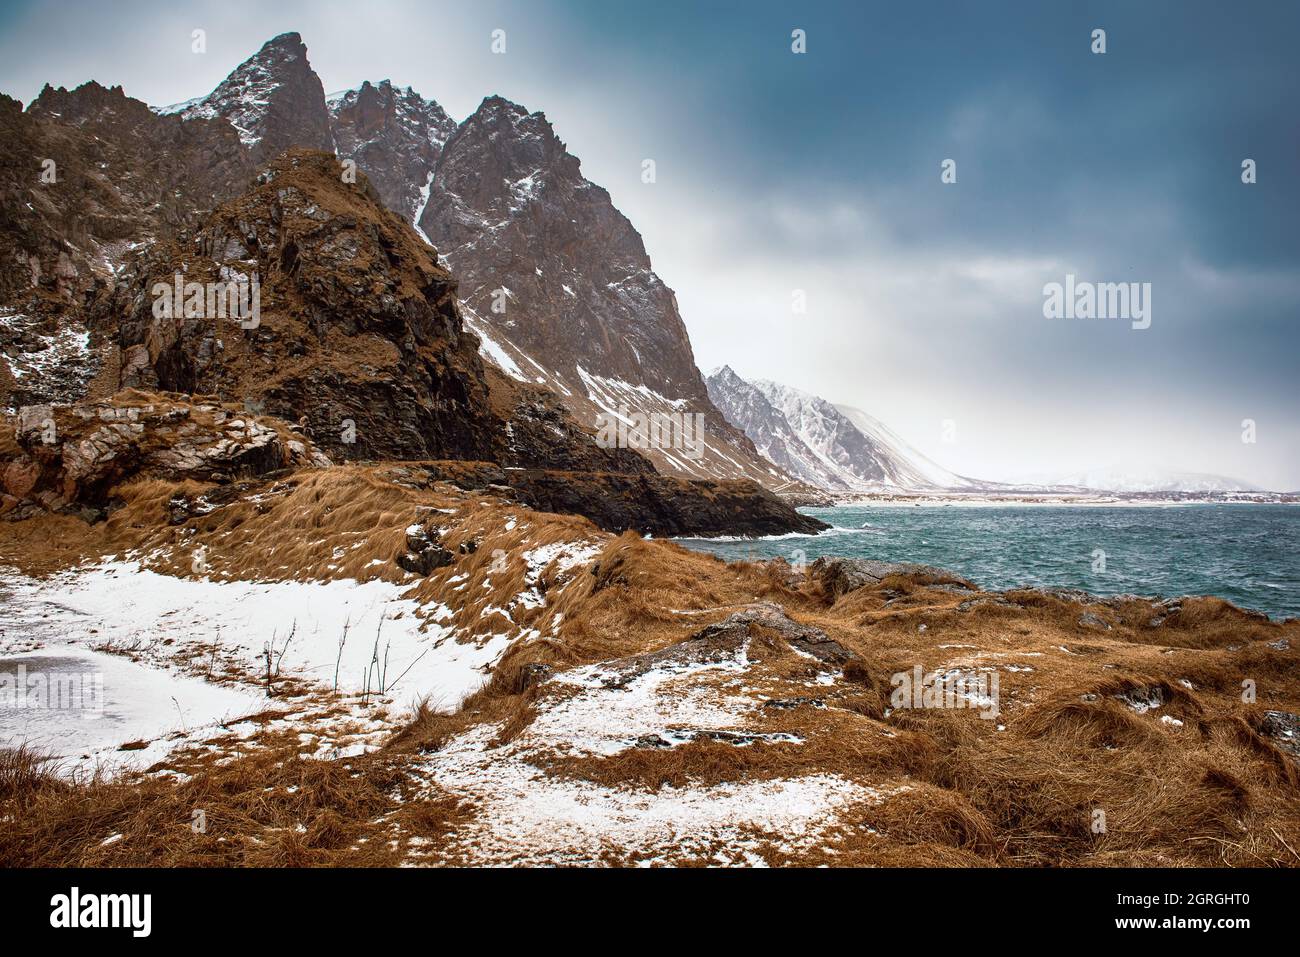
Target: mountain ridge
[[833, 447]]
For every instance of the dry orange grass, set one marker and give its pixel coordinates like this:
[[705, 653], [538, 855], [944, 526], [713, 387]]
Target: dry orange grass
[[271, 809], [1205, 788]]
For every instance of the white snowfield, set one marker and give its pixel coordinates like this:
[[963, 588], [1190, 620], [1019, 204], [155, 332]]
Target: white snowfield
[[148, 634]]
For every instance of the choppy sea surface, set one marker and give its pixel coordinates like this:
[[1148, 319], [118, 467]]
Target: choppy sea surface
[[1248, 554]]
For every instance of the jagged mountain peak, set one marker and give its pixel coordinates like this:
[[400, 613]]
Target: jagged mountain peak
[[558, 284], [289, 40], [90, 90], [92, 104], [494, 105], [274, 99], [396, 136], [373, 105], [518, 139]]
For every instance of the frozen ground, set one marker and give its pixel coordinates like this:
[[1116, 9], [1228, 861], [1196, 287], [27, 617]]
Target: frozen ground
[[176, 658]]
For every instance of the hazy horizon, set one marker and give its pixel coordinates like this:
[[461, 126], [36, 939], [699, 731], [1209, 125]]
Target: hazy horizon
[[817, 175]]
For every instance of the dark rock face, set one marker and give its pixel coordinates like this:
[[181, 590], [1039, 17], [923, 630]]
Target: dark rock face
[[558, 280], [359, 334], [274, 99], [425, 553], [123, 176], [67, 458], [541, 434], [395, 137], [1283, 729], [839, 576], [648, 503], [506, 165], [663, 505]]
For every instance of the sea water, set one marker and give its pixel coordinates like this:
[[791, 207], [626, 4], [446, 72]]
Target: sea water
[[1248, 554]]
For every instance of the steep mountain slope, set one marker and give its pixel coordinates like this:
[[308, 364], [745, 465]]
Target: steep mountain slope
[[120, 175], [86, 177], [833, 438], [836, 448], [749, 409], [395, 135], [274, 99], [558, 284], [359, 335], [911, 468], [555, 281]]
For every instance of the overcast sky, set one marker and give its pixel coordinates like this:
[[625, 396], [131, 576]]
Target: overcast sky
[[820, 172]]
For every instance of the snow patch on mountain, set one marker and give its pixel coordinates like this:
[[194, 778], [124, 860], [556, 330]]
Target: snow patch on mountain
[[836, 448]]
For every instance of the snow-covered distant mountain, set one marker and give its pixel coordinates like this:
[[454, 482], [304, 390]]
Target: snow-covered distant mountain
[[836, 448], [839, 448], [913, 468], [749, 409], [1145, 480]]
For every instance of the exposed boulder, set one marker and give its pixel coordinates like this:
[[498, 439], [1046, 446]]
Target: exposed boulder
[[839, 576], [723, 641], [424, 551], [1283, 729], [69, 458]]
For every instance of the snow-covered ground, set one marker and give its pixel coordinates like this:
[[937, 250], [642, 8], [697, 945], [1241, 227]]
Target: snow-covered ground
[[82, 705], [155, 641], [529, 815]]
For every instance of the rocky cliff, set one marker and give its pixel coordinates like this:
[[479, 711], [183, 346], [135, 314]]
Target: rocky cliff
[[558, 283], [124, 268], [359, 332], [274, 100], [395, 135]]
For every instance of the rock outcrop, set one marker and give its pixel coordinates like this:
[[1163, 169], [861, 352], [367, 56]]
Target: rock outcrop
[[358, 334], [88, 175], [274, 100], [68, 458], [648, 503], [839, 576], [395, 136]]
